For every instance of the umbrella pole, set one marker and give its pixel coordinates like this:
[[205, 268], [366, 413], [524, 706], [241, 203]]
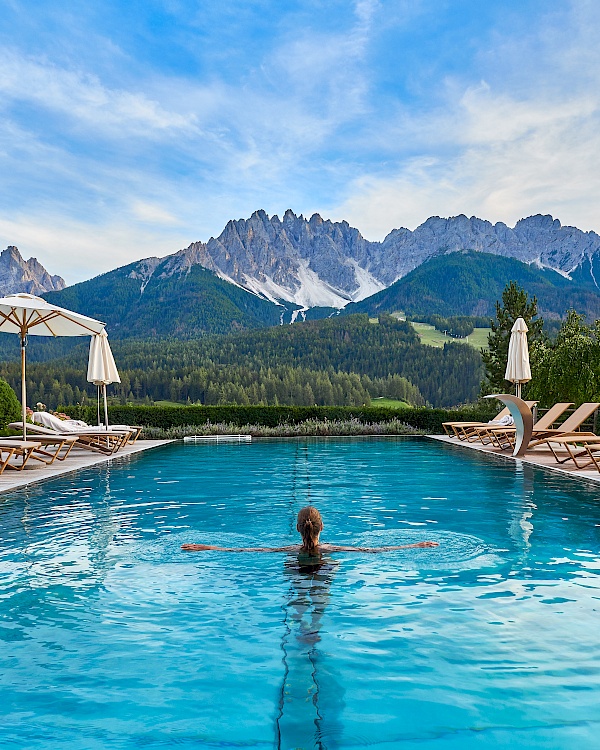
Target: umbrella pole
[[23, 388], [518, 389], [98, 403], [105, 409]]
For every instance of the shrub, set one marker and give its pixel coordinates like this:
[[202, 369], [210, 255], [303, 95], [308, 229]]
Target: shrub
[[168, 417], [10, 408]]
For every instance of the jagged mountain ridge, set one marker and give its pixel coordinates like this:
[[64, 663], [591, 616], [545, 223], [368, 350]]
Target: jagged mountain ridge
[[20, 275], [317, 262], [312, 262]]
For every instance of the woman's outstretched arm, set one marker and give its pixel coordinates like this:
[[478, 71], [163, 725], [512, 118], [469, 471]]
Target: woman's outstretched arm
[[296, 548], [203, 547], [336, 548]]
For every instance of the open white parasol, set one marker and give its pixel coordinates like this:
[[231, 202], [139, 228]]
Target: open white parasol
[[518, 370], [102, 369], [27, 315]]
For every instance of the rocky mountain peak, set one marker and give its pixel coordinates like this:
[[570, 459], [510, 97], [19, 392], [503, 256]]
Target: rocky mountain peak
[[319, 262], [30, 276]]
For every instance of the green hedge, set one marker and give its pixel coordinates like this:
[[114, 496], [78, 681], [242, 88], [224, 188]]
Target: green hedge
[[166, 417]]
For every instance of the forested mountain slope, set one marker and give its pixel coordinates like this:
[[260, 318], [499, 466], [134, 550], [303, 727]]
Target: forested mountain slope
[[470, 283], [151, 299]]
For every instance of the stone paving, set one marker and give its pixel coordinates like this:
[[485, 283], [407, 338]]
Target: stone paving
[[539, 457], [79, 458]]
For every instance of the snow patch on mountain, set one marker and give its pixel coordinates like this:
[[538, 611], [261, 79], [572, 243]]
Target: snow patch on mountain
[[267, 289], [314, 292], [367, 283]]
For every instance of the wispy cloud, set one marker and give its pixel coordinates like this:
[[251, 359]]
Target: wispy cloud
[[378, 112], [81, 97], [497, 150]]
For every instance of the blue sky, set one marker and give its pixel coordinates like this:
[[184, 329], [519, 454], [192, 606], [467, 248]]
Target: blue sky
[[130, 129]]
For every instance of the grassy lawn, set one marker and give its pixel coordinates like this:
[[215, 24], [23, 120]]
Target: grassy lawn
[[389, 403], [431, 337]]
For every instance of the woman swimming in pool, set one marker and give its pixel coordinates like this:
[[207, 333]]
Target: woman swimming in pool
[[310, 526]]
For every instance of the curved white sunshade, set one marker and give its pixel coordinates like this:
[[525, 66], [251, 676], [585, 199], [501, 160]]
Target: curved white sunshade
[[27, 315]]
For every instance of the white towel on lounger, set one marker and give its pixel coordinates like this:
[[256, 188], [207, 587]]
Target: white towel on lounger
[[505, 421]]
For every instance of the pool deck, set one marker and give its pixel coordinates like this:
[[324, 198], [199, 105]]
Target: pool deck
[[79, 458], [540, 457]]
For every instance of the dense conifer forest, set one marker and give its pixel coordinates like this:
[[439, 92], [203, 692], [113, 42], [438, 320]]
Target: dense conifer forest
[[345, 360], [469, 283]]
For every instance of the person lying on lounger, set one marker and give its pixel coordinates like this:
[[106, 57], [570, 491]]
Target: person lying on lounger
[[310, 526]]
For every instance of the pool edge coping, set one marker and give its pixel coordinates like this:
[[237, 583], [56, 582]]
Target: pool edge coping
[[481, 451]]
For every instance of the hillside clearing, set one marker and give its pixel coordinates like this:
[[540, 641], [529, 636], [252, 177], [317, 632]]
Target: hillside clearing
[[431, 337], [389, 403]]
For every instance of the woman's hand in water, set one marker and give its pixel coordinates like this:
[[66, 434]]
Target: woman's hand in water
[[426, 544], [197, 547]]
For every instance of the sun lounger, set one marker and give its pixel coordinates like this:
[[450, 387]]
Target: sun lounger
[[50, 447], [10, 448], [75, 425], [569, 426], [540, 433], [583, 450], [478, 431], [449, 427], [504, 437], [97, 439]]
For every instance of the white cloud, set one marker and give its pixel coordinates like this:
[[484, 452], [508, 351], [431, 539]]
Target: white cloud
[[81, 97], [164, 159], [77, 250], [517, 160], [152, 213], [497, 150]]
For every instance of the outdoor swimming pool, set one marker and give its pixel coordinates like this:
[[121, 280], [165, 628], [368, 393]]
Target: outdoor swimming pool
[[111, 637]]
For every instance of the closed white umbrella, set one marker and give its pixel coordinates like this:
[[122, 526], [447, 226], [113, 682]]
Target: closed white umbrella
[[102, 369], [518, 370], [27, 315]]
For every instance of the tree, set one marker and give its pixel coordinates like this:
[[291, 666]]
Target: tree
[[515, 304], [10, 408], [569, 369]]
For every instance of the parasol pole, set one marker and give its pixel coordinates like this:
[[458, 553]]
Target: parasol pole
[[105, 408], [23, 386]]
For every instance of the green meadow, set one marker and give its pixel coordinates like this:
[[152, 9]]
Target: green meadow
[[431, 337]]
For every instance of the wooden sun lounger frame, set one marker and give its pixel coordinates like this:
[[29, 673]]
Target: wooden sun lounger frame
[[525, 437], [103, 441], [12, 448], [449, 427], [135, 431], [97, 439], [577, 446], [50, 448], [569, 427], [504, 437], [483, 432]]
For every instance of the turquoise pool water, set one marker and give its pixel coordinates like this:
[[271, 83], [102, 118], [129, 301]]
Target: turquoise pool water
[[111, 637]]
